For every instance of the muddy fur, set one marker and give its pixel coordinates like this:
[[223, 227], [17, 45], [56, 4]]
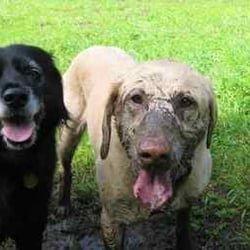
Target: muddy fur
[[175, 103]]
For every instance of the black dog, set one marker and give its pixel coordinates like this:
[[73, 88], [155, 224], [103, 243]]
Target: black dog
[[31, 107]]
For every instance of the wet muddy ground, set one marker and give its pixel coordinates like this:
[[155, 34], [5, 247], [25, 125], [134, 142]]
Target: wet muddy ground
[[80, 230]]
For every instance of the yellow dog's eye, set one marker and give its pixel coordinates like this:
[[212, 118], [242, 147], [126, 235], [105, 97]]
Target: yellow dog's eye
[[137, 99], [186, 102]]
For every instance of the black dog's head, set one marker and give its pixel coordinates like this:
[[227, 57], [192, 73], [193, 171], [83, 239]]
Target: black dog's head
[[30, 92]]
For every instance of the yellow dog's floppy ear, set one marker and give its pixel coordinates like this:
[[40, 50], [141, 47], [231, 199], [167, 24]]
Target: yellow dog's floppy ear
[[106, 122], [213, 116]]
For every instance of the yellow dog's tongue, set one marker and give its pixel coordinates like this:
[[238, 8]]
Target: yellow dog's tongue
[[17, 133], [153, 191]]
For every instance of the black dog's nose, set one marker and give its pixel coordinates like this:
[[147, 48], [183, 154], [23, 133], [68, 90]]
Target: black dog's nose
[[15, 97]]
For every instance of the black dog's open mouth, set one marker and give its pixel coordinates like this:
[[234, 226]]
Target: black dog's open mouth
[[153, 189], [18, 133]]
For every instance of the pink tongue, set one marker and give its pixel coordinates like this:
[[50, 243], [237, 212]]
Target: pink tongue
[[153, 192], [17, 133]]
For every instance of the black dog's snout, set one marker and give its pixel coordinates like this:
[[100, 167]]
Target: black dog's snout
[[15, 97]]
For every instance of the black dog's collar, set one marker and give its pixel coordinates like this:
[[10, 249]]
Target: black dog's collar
[[30, 180]]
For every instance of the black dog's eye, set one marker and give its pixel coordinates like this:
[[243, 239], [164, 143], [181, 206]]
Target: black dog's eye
[[186, 102], [34, 73], [137, 99]]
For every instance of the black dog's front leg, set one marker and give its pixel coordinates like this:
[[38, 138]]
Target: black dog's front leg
[[30, 236], [183, 230], [32, 241], [33, 221]]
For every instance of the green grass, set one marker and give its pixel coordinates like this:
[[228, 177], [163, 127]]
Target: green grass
[[212, 36]]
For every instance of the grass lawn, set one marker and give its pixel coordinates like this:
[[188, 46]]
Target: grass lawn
[[212, 36]]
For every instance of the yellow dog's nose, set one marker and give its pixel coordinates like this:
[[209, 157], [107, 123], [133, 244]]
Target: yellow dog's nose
[[152, 148]]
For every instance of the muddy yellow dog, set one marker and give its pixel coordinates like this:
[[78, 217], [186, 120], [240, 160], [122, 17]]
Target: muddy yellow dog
[[150, 125]]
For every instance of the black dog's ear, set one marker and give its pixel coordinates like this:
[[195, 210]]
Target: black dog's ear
[[54, 103], [62, 111], [106, 122], [212, 116]]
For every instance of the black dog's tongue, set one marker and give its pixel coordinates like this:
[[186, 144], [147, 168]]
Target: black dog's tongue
[[153, 191], [17, 132]]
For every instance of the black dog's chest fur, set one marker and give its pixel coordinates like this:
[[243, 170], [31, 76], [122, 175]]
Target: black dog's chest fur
[[15, 199], [25, 184], [5, 198], [12, 198]]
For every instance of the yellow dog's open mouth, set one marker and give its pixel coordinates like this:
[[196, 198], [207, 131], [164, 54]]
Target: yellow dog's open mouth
[[153, 190]]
